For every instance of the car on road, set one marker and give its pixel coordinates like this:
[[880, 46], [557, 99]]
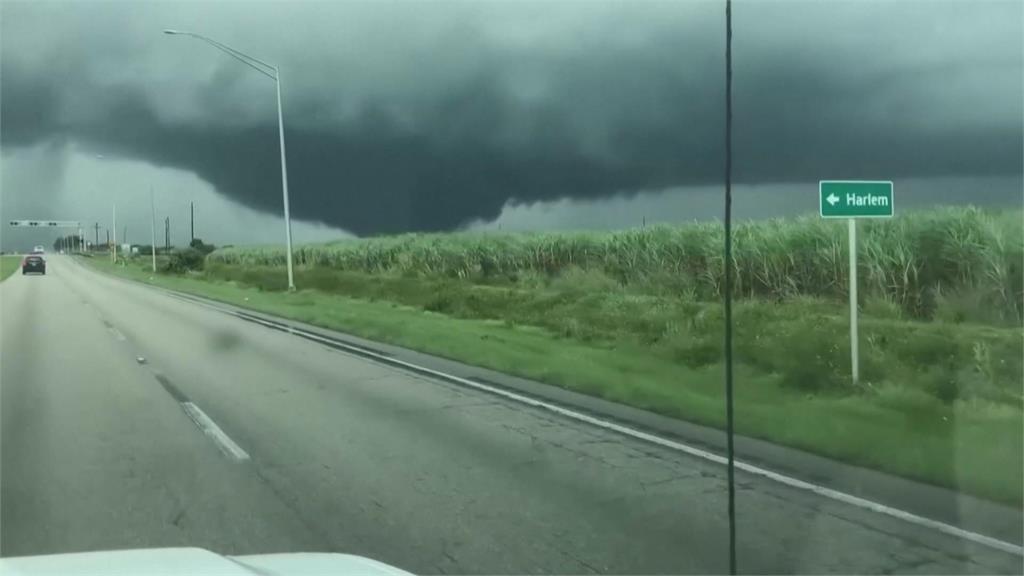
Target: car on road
[[33, 263], [39, 250]]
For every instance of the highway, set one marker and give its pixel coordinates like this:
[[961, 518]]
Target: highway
[[130, 418]]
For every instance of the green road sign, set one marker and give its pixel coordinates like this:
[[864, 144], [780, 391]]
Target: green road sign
[[855, 199]]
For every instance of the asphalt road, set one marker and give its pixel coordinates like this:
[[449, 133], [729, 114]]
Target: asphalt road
[[105, 384]]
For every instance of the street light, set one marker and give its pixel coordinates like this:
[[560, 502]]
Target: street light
[[272, 72], [113, 247]]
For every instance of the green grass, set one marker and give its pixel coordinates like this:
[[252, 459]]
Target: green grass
[[940, 401], [8, 265]]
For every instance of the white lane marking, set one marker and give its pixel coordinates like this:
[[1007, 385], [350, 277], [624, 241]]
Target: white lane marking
[[210, 428], [836, 495], [697, 452]]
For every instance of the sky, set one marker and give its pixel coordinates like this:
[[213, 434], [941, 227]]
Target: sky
[[416, 116]]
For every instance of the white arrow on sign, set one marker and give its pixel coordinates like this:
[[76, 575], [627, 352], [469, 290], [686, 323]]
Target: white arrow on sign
[[832, 199]]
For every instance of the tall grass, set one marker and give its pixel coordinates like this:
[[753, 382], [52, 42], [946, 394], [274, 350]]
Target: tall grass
[[917, 260]]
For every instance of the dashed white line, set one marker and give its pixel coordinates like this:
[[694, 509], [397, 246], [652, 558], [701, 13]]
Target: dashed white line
[[210, 428]]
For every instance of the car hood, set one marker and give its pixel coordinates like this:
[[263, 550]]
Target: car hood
[[192, 561]]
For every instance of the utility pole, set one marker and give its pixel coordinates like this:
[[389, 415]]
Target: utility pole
[[97, 234], [727, 308], [152, 229], [167, 233], [192, 205], [113, 251]]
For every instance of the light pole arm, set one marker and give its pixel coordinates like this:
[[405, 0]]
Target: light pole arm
[[250, 61]]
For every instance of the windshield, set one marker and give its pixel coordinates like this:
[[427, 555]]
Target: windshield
[[680, 286]]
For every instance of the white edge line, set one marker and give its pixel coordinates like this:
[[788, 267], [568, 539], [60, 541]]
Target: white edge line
[[780, 478], [210, 428], [836, 495]]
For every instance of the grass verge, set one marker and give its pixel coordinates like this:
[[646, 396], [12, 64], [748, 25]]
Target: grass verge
[[940, 402], [8, 265]]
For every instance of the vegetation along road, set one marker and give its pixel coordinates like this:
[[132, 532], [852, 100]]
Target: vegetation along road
[[635, 317]]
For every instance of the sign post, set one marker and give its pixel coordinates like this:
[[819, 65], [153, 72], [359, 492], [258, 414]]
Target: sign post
[[854, 338], [853, 199]]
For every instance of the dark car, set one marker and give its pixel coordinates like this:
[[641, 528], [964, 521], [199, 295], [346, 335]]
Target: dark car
[[33, 263]]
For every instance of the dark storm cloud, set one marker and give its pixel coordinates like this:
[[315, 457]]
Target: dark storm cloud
[[618, 105]]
